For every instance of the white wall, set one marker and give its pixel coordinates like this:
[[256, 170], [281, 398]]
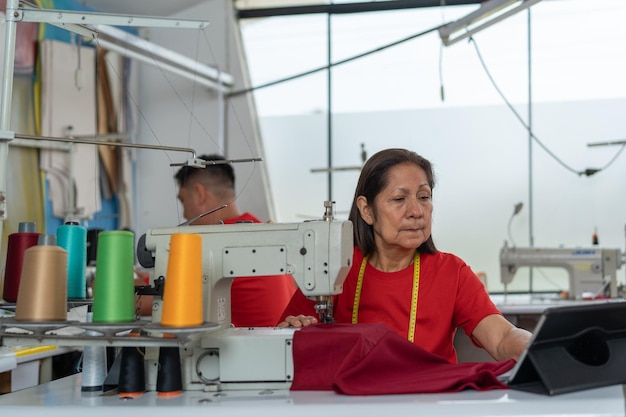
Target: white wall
[[480, 157]]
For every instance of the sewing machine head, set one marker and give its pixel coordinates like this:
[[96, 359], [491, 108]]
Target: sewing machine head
[[590, 270], [318, 255]]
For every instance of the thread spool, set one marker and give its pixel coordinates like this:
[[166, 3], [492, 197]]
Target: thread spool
[[42, 294], [92, 248], [92, 245], [169, 377], [94, 363], [73, 238], [182, 295], [132, 378], [114, 288], [17, 244]]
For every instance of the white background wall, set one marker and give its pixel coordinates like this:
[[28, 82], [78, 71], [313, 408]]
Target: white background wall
[[479, 179]]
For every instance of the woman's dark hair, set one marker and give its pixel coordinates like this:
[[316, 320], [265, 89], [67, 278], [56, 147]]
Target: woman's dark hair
[[373, 180]]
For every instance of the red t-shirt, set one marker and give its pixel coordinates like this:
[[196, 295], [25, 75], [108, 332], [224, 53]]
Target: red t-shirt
[[450, 296], [258, 301]]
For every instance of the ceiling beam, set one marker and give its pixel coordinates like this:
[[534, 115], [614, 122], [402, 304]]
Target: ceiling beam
[[344, 8]]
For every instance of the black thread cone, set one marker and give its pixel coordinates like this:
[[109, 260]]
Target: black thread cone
[[132, 379], [169, 377]]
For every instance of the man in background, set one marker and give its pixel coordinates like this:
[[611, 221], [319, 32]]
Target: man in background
[[255, 301]]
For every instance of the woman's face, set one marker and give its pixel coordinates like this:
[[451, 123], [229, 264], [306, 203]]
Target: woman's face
[[402, 214]]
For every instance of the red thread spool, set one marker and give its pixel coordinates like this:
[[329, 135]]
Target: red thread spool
[[17, 245]]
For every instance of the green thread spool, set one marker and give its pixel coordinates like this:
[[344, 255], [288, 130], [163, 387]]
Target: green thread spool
[[114, 289]]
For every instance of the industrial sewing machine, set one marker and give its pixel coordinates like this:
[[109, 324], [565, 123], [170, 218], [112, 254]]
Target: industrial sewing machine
[[214, 356], [318, 254], [590, 270]]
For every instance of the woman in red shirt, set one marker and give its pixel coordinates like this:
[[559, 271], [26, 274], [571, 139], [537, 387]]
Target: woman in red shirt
[[399, 278]]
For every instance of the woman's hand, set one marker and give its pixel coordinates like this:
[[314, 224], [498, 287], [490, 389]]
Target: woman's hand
[[298, 321]]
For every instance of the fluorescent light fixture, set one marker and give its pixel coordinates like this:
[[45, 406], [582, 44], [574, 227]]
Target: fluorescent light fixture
[[135, 47], [610, 143], [336, 169], [96, 27], [489, 13]]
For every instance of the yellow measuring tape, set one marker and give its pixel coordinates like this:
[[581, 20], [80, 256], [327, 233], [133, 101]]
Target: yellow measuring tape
[[414, 294]]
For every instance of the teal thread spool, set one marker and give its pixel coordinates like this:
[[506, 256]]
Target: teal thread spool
[[73, 238], [114, 288]]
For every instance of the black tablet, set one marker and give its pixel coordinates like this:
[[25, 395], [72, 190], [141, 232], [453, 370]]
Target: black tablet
[[574, 348]]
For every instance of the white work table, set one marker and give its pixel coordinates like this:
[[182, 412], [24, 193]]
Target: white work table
[[532, 304], [28, 366], [64, 397]]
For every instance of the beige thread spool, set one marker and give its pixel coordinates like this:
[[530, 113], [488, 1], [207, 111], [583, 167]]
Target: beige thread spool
[[42, 295]]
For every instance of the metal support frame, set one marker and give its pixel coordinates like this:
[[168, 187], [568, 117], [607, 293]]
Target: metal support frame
[[16, 12]]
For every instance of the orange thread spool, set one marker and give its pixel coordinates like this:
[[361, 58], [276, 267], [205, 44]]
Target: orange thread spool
[[182, 295]]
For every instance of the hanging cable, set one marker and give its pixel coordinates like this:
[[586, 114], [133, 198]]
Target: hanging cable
[[441, 46], [326, 67], [587, 172]]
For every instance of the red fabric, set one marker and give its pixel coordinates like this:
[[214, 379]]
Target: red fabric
[[259, 301], [370, 359], [450, 296], [243, 218]]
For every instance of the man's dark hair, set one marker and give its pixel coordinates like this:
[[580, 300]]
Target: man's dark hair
[[220, 173]]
